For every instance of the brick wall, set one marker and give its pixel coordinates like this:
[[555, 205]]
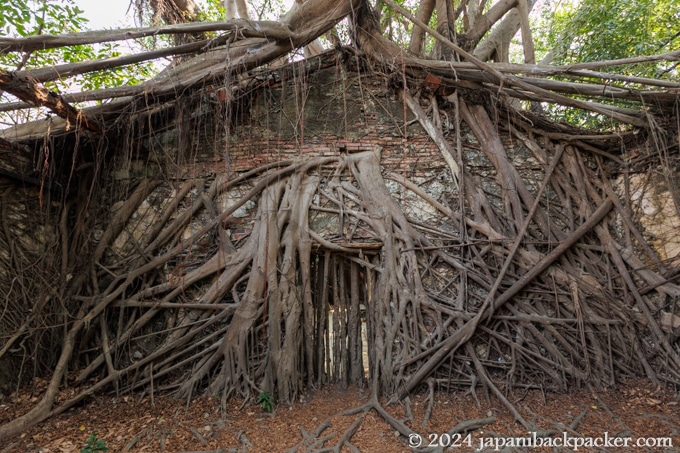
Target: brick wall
[[325, 113]]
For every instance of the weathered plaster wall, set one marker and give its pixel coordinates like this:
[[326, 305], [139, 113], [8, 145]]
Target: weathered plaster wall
[[323, 113], [651, 196]]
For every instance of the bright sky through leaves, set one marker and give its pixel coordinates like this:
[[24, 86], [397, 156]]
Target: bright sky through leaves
[[106, 14]]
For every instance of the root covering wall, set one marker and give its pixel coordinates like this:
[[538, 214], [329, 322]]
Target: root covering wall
[[235, 229]]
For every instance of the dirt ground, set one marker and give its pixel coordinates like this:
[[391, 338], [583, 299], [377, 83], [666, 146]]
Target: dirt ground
[[141, 424]]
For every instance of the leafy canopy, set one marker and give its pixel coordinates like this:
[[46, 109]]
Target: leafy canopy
[[21, 18], [571, 31], [596, 30]]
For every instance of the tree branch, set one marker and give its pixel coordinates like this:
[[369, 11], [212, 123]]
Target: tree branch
[[28, 91], [244, 28]]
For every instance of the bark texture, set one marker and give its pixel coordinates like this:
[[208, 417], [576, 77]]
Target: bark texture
[[511, 263]]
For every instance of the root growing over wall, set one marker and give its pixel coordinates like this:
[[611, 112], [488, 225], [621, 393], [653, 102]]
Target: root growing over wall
[[512, 290]]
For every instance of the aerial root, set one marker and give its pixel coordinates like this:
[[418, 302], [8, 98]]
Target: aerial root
[[312, 440], [498, 293], [313, 443], [245, 442]]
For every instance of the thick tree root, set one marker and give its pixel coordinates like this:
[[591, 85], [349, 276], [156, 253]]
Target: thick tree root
[[316, 444], [301, 273]]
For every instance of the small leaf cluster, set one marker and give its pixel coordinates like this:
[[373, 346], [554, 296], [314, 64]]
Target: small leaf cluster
[[94, 445], [266, 400]]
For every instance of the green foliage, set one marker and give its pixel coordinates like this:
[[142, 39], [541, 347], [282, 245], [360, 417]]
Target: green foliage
[[31, 17], [266, 400], [94, 445], [21, 18], [212, 10], [394, 25], [596, 30]]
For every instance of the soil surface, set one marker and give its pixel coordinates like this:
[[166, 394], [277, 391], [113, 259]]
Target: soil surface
[[138, 423]]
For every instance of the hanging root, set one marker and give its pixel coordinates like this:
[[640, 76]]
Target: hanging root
[[301, 273]]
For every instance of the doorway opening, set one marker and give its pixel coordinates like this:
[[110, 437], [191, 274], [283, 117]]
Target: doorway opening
[[342, 294]]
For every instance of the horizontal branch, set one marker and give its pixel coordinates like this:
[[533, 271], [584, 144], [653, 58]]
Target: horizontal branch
[[463, 71], [29, 91], [586, 73], [245, 28], [576, 88], [605, 91], [538, 70], [668, 56], [502, 80], [84, 96], [533, 91], [72, 69]]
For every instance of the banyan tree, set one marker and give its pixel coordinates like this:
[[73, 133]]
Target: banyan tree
[[405, 219]]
